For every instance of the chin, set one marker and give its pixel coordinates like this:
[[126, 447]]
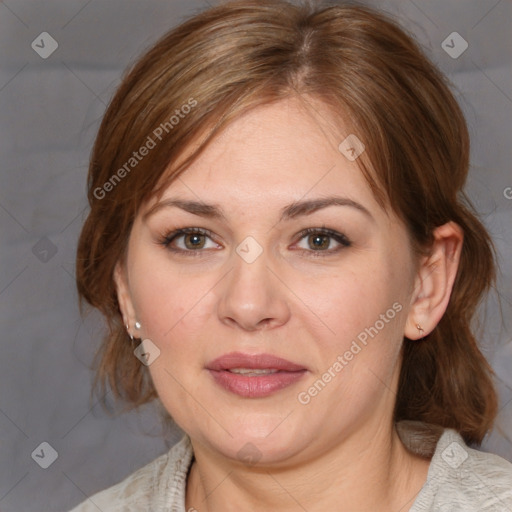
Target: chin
[[256, 440]]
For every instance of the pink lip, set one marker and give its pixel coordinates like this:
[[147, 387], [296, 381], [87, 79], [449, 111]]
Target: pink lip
[[255, 361], [254, 387]]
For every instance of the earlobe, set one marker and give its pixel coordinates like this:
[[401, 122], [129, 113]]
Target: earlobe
[[434, 281]]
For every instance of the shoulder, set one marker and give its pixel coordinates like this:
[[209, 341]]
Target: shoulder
[[464, 479], [159, 485]]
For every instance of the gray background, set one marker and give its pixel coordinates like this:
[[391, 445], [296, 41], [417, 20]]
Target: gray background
[[50, 111]]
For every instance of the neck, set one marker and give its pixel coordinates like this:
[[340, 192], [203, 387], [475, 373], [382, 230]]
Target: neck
[[369, 470]]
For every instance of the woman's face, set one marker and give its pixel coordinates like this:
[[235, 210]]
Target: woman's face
[[287, 266]]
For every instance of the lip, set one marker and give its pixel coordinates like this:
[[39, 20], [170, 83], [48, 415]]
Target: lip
[[255, 361], [257, 386]]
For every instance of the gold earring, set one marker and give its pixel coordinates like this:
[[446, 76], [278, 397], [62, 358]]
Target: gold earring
[[418, 326]]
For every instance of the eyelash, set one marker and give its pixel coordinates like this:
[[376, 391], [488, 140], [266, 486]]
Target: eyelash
[[338, 237]]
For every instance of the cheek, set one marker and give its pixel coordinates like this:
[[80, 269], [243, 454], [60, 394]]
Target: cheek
[[347, 304], [362, 321], [360, 361], [168, 303]]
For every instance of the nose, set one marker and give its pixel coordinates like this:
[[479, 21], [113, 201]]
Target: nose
[[253, 297]]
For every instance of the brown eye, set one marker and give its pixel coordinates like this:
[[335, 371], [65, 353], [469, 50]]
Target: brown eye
[[194, 241], [321, 242]]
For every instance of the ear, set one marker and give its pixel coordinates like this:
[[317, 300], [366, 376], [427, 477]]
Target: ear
[[123, 296], [434, 281]]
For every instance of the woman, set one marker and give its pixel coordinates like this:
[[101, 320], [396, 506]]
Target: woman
[[279, 241]]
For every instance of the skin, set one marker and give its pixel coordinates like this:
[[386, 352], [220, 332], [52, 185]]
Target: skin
[[292, 302]]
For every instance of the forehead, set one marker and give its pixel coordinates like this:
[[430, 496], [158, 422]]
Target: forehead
[[284, 151]]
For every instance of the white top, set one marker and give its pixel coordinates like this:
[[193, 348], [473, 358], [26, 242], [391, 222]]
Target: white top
[[460, 479]]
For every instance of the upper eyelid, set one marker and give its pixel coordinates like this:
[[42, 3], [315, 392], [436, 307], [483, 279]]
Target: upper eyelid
[[188, 231]]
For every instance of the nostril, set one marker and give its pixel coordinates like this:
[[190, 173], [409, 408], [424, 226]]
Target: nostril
[[248, 325]]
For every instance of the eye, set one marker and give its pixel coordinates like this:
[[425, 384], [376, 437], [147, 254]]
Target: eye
[[322, 240], [189, 240]]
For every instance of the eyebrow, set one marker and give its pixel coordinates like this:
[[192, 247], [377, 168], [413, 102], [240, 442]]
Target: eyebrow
[[294, 210], [194, 207], [308, 207]]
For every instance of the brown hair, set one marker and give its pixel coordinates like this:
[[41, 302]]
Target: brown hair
[[234, 57]]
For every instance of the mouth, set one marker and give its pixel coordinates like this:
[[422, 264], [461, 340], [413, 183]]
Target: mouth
[[254, 376], [252, 372]]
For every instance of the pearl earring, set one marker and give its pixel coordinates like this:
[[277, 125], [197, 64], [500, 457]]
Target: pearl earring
[[137, 325]]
